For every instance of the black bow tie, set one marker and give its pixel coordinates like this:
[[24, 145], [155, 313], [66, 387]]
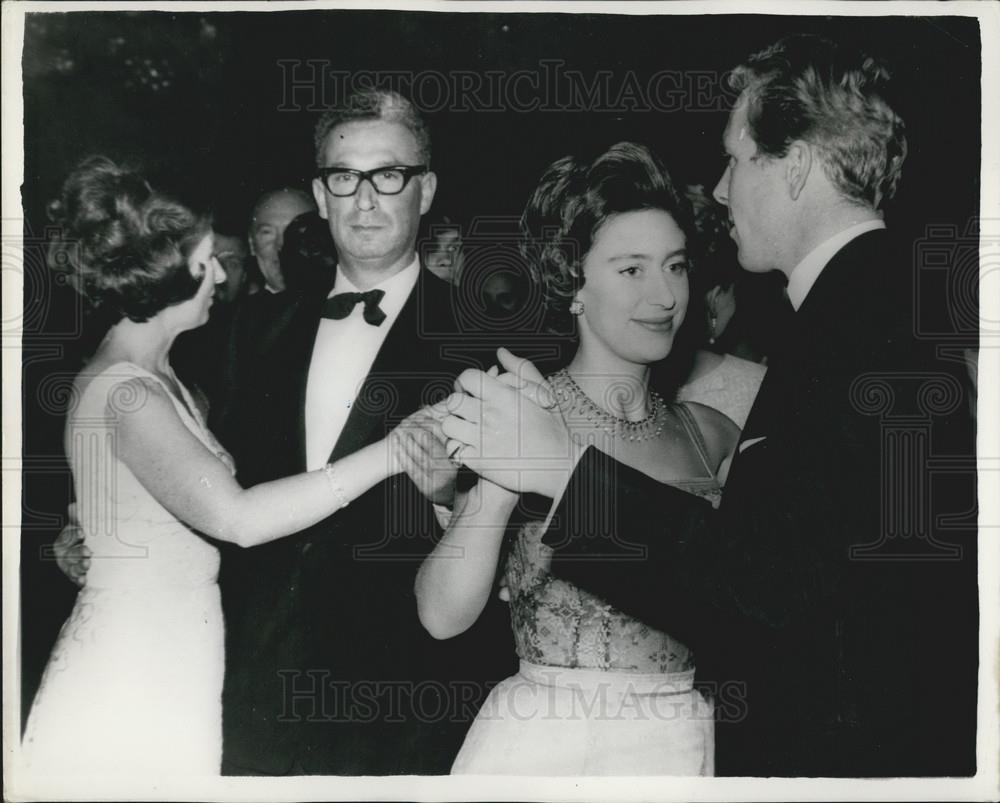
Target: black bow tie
[[340, 306]]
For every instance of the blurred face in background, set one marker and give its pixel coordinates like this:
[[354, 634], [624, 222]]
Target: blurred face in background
[[273, 213], [232, 254], [502, 295], [444, 258], [308, 258]]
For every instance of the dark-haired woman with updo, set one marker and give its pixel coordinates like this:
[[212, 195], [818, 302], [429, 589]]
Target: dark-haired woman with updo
[[599, 692], [134, 682], [720, 377]]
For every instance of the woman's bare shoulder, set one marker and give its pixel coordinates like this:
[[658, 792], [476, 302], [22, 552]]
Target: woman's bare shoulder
[[121, 388]]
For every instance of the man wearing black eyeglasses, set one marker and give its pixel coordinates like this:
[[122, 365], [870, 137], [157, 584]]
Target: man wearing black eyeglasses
[[328, 669]]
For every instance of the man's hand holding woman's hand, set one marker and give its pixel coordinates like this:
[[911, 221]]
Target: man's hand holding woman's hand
[[417, 446], [508, 429]]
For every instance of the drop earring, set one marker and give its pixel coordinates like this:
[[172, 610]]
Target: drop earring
[[576, 308]]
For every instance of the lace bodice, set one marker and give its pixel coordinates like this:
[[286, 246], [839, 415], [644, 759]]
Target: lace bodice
[[557, 624], [135, 542]]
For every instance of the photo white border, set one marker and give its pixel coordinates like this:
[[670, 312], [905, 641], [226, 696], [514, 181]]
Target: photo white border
[[984, 786]]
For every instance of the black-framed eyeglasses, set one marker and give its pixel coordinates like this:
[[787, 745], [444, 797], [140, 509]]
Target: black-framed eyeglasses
[[344, 181]]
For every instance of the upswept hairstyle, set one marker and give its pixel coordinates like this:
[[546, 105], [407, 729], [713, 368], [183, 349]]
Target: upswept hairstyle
[[809, 88], [573, 199], [124, 246], [374, 104]]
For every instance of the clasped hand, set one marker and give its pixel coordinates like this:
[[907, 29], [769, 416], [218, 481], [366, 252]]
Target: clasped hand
[[504, 426], [417, 446], [507, 428]]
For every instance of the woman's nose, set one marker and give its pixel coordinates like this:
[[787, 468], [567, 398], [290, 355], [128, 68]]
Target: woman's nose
[[662, 292]]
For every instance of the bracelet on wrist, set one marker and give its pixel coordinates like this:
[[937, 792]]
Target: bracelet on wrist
[[339, 495]]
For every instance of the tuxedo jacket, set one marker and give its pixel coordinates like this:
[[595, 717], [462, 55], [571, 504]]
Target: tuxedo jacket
[[831, 600], [252, 322], [328, 668]]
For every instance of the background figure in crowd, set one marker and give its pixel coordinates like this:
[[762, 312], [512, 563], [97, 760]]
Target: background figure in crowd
[[308, 257], [720, 280], [201, 355], [251, 319], [322, 630], [254, 283], [442, 251], [503, 294], [606, 240], [233, 253], [738, 308], [271, 215], [718, 378], [134, 682], [808, 599], [489, 294]]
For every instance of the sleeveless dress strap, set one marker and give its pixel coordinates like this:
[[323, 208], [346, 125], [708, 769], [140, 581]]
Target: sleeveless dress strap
[[183, 403], [694, 433], [184, 406], [125, 368]]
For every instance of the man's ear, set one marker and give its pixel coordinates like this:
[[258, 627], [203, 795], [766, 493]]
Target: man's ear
[[428, 186], [319, 194], [798, 163]]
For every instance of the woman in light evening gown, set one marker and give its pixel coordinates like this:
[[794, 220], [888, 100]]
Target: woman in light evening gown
[[598, 693], [134, 682]]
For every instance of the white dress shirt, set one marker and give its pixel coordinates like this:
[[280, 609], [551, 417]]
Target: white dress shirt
[[805, 274], [342, 358]]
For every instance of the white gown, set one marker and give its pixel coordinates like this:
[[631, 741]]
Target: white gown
[[598, 692], [134, 682]]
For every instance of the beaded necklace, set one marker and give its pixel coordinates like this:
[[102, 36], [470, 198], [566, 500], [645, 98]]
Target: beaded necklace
[[649, 428]]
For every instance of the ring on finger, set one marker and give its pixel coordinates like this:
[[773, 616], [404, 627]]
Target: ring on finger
[[455, 454]]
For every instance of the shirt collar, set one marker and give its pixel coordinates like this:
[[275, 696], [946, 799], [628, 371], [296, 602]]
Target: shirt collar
[[397, 287], [804, 275]]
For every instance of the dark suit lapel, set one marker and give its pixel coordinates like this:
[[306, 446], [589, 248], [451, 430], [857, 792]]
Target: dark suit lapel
[[834, 290], [848, 273], [400, 357], [768, 403], [303, 325]]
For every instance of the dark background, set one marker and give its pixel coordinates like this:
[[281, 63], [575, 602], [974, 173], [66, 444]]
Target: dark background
[[197, 101]]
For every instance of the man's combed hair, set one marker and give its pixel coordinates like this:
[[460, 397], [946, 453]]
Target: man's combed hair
[[837, 99], [573, 199], [124, 246], [374, 104]]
